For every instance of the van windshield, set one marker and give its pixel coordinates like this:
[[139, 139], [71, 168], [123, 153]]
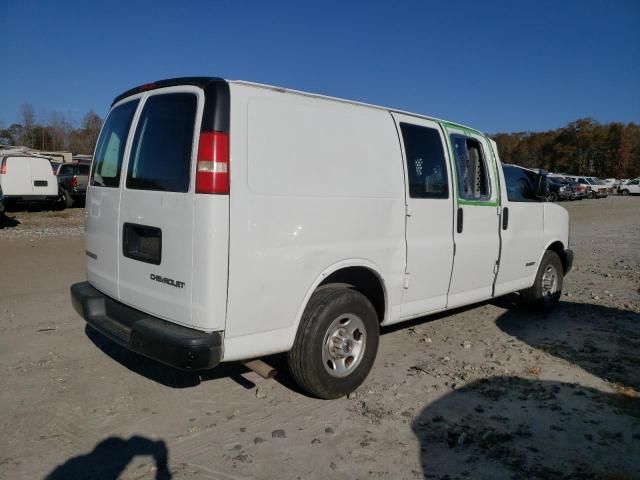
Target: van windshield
[[110, 147]]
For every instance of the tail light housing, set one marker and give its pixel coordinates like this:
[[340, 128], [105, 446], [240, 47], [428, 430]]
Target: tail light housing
[[3, 167], [212, 169], [74, 182]]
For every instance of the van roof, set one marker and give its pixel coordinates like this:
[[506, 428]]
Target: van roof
[[205, 81], [18, 155]]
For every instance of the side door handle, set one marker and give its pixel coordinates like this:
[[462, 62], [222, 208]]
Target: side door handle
[[505, 218], [459, 220]]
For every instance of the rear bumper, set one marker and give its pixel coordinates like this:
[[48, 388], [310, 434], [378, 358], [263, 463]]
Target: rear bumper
[[165, 342]]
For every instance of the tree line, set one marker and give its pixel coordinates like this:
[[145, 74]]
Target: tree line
[[54, 133], [583, 147]]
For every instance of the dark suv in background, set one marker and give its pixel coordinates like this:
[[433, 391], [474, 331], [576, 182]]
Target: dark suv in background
[[72, 182]]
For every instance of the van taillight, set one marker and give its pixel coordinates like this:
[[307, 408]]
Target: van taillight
[[212, 170], [3, 167]]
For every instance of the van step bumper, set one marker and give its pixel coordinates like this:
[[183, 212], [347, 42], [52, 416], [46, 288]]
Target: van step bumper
[[166, 342]]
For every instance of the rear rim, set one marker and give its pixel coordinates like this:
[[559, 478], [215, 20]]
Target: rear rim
[[549, 281], [344, 345]]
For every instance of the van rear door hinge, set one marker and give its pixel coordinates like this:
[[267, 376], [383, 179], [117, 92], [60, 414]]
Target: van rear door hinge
[[407, 210], [495, 267], [406, 280]]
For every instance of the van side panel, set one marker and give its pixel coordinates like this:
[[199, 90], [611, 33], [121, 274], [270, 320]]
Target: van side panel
[[314, 182]]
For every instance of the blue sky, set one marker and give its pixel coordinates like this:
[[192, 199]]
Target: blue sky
[[494, 65]]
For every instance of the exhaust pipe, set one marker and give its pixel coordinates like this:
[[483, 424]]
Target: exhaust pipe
[[261, 368]]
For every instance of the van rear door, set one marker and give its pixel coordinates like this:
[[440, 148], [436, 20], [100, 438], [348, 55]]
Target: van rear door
[[18, 177], [156, 223], [43, 181], [103, 198]]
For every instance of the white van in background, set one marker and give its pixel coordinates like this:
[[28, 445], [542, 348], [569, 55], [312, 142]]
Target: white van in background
[[227, 220], [27, 179]]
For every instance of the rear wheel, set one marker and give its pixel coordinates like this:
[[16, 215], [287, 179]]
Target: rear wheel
[[553, 197], [624, 192], [336, 343], [545, 293], [67, 199]]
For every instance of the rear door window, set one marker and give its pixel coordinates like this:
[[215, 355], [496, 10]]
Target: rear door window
[[161, 152], [83, 169], [110, 147], [66, 170]]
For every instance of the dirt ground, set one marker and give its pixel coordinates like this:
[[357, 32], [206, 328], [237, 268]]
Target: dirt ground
[[487, 392]]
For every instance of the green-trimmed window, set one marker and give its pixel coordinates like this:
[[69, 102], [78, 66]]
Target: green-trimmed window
[[471, 168]]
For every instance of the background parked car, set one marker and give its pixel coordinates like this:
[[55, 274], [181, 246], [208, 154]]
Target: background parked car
[[580, 191], [27, 179], [72, 182], [632, 187], [560, 190], [600, 187]]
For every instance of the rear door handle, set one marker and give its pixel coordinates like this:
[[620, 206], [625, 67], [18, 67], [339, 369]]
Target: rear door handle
[[505, 218], [459, 220]]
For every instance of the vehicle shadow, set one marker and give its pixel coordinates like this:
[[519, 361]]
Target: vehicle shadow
[[163, 374], [515, 428], [8, 222], [110, 457], [602, 340]]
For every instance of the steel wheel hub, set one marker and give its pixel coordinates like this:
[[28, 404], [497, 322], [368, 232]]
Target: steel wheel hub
[[344, 345], [549, 281]]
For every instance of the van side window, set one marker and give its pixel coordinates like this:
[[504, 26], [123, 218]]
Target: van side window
[[110, 147], [520, 184], [161, 151], [426, 167], [471, 168]]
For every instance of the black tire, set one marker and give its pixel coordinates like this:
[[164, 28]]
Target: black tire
[[1, 220], [624, 192], [326, 307], [67, 199], [553, 197], [535, 296]]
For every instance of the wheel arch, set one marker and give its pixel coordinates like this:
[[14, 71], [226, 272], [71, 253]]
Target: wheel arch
[[558, 247], [360, 274]]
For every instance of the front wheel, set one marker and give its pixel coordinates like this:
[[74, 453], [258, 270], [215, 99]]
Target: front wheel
[[336, 343], [545, 293], [624, 192]]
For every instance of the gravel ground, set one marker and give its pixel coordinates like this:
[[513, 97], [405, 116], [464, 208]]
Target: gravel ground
[[487, 392], [26, 225]]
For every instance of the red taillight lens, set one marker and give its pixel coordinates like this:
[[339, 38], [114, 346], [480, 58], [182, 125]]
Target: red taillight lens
[[3, 167], [74, 181], [212, 170]]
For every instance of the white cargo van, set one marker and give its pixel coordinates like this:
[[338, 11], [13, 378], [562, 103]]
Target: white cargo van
[[227, 220], [25, 178]]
